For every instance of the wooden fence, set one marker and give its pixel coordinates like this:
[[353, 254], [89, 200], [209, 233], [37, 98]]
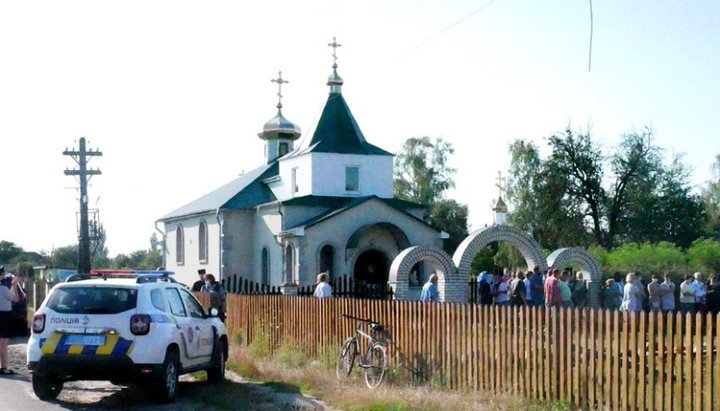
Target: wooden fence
[[587, 357], [343, 286]]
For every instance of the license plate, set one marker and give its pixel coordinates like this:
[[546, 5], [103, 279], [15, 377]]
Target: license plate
[[85, 340]]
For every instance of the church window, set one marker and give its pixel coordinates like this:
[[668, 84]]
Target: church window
[[283, 149], [203, 242], [294, 182], [352, 178], [289, 263], [265, 269], [327, 255], [180, 245]]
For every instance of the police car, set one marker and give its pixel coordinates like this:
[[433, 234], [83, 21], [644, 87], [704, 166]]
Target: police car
[[124, 326]]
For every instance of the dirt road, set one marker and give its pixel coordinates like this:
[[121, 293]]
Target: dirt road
[[234, 394]]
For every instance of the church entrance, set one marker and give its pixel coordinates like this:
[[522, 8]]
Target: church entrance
[[371, 274]]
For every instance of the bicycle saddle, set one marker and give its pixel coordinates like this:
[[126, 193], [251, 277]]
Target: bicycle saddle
[[376, 327]]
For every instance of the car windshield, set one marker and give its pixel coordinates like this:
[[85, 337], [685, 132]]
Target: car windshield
[[92, 300]]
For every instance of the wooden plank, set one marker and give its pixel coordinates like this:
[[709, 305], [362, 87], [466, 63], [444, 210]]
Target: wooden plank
[[573, 354], [716, 365], [607, 363], [631, 361], [622, 366], [688, 362], [697, 350], [600, 381], [641, 353], [583, 349], [652, 386], [660, 363], [485, 358], [563, 346], [674, 361], [515, 349], [707, 371], [546, 366], [594, 379]]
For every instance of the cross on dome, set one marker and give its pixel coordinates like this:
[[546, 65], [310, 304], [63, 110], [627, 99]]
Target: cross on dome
[[279, 80], [335, 46], [501, 184]]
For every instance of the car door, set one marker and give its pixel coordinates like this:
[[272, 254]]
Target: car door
[[185, 323], [202, 326]]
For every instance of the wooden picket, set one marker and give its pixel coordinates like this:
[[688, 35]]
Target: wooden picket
[[593, 359]]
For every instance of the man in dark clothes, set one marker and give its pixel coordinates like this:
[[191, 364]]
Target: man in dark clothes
[[712, 298], [197, 285]]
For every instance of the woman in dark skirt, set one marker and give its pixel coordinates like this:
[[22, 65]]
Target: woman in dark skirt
[[8, 295]]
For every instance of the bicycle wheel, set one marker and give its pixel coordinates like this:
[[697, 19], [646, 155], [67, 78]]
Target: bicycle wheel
[[346, 359], [375, 364]]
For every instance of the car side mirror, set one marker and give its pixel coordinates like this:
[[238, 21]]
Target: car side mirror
[[213, 312]]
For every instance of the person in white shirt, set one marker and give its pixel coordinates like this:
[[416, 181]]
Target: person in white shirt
[[667, 291], [687, 295], [323, 289], [500, 291], [632, 294]]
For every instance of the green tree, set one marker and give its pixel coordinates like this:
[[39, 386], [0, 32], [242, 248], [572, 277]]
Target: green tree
[[65, 257], [540, 206], [563, 199], [451, 217], [704, 255], [9, 251], [422, 175], [711, 200]]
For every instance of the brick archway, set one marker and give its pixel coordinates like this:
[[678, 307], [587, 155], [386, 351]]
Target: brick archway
[[477, 240], [589, 267], [451, 287]]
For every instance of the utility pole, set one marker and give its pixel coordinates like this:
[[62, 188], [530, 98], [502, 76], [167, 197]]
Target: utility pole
[[81, 158]]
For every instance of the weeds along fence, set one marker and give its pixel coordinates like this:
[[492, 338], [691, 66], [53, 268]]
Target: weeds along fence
[[587, 357]]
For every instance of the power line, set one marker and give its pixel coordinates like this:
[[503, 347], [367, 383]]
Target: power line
[[591, 37], [441, 32]]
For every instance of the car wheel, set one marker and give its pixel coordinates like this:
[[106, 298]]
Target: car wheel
[[46, 388], [216, 372], [167, 382]]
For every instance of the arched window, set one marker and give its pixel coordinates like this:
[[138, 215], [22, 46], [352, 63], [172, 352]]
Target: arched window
[[327, 255], [180, 245], [265, 269], [202, 242], [289, 263]]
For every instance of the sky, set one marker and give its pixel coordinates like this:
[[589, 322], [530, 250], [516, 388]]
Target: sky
[[174, 93]]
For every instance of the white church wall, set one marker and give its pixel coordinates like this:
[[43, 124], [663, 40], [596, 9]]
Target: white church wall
[[186, 272], [323, 174], [297, 169], [237, 243], [268, 223], [375, 174]]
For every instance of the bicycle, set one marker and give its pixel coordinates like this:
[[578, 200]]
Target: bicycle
[[374, 362]]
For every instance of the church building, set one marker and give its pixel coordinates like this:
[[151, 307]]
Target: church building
[[324, 206]]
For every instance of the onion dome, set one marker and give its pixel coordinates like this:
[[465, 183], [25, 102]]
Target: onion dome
[[279, 126]]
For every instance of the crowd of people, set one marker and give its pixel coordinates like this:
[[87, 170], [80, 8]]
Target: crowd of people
[[562, 288], [691, 296]]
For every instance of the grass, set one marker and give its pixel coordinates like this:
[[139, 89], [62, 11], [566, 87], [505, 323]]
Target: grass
[[291, 369]]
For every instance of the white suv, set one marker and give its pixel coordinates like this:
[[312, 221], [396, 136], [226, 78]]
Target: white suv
[[126, 327]]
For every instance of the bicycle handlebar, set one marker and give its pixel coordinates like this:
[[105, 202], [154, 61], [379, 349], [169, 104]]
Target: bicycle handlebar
[[360, 319]]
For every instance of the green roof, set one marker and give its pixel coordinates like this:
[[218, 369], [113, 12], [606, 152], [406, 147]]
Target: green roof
[[244, 192], [338, 132], [337, 205]]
